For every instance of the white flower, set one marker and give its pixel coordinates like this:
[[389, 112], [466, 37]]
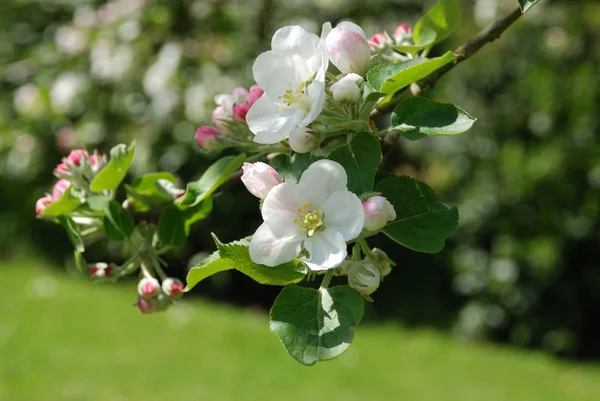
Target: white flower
[[302, 140], [347, 89], [292, 75], [317, 214]]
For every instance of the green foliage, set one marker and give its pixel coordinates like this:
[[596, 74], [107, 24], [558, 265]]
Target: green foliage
[[67, 203], [316, 325], [419, 117], [526, 4], [290, 167], [118, 223], [110, 177], [426, 39], [422, 223], [176, 220], [360, 158], [212, 179], [441, 19], [73, 233], [151, 190]]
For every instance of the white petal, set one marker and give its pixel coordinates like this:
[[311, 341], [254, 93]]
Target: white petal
[[350, 26], [320, 180], [327, 250], [267, 249], [294, 40], [279, 209], [316, 94], [275, 74], [269, 123], [344, 213]]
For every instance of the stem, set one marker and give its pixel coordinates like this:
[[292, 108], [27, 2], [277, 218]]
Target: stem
[[326, 279], [365, 247], [159, 270], [90, 231]]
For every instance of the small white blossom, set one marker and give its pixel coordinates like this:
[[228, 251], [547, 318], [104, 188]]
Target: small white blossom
[[378, 211], [347, 89]]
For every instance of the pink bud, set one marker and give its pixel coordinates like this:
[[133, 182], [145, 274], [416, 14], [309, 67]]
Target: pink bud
[[43, 203], [378, 211], [208, 138], [259, 178], [402, 32], [239, 95], [148, 287], [62, 168], [173, 287], [219, 116], [255, 93], [146, 305], [97, 161], [78, 157], [380, 40], [59, 188], [348, 48], [101, 270], [240, 111]]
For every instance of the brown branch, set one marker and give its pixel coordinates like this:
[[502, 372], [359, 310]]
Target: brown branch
[[487, 35]]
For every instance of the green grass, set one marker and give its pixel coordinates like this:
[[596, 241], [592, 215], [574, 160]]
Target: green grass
[[64, 339]]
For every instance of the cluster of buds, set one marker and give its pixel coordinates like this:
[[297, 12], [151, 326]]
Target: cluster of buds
[[154, 296], [231, 108], [402, 36], [366, 275]]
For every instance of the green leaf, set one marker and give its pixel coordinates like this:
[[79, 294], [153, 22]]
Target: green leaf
[[526, 4], [390, 78], [151, 190], [118, 223], [212, 179], [316, 325], [290, 167], [426, 39], [206, 268], [110, 177], [419, 117], [360, 159], [422, 223], [171, 227], [73, 233], [442, 18], [62, 206], [194, 214]]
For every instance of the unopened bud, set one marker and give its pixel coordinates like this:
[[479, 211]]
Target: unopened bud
[[78, 157], [62, 168], [259, 178], [302, 140], [60, 188], [380, 40], [363, 277], [219, 116], [378, 211], [348, 48], [97, 161], [148, 288], [382, 261], [240, 110], [146, 305], [402, 32], [208, 138], [100, 270], [347, 89], [118, 151], [173, 287], [43, 203], [255, 93], [163, 302]]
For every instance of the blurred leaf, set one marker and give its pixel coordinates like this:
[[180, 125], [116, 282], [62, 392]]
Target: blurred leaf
[[422, 223], [527, 4], [110, 177], [118, 223], [442, 18], [73, 233], [171, 227], [212, 179], [419, 117], [316, 325], [66, 204], [361, 160], [426, 39], [195, 213], [151, 190]]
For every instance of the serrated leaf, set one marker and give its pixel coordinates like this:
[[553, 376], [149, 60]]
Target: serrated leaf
[[316, 325], [110, 177], [526, 5], [213, 264], [422, 223], [212, 179], [361, 160], [66, 204], [442, 18], [419, 117]]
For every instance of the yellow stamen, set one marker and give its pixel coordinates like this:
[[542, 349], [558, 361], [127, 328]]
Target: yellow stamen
[[310, 220]]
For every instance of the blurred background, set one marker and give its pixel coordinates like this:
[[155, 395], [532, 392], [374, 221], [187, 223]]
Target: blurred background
[[521, 271]]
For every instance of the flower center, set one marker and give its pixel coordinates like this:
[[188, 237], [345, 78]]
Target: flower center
[[310, 219], [292, 97]]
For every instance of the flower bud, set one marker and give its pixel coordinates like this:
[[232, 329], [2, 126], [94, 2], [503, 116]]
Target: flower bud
[[382, 261], [208, 138], [100, 270], [378, 211], [348, 49], [255, 93], [146, 305], [62, 168], [302, 140], [43, 203], [173, 287], [59, 188], [219, 116], [78, 157], [380, 40], [259, 178], [148, 288], [402, 33], [163, 301], [97, 161], [347, 89], [240, 110], [363, 277], [239, 95]]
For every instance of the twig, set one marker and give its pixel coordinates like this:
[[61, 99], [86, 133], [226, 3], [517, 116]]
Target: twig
[[487, 35]]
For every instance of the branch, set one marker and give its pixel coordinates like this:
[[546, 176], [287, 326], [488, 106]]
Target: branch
[[487, 35]]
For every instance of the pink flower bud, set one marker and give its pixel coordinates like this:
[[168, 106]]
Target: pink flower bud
[[219, 116], [43, 203], [59, 188], [259, 178], [302, 140], [146, 305], [378, 211], [173, 287], [62, 168], [380, 40], [348, 48], [255, 93], [100, 270], [78, 157], [240, 110], [402, 32], [148, 288], [239, 95], [208, 138], [97, 161]]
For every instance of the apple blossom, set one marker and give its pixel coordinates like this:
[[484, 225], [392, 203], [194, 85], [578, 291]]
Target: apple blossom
[[259, 178], [148, 287], [78, 157], [172, 287], [255, 93], [317, 214], [380, 40], [43, 203], [347, 89], [348, 48], [378, 211], [208, 138], [218, 117], [292, 76], [59, 188], [402, 33], [97, 161], [62, 168], [146, 305], [240, 111]]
